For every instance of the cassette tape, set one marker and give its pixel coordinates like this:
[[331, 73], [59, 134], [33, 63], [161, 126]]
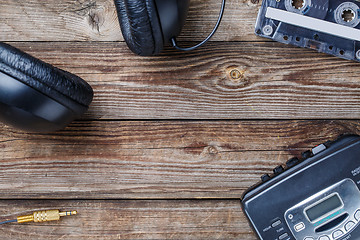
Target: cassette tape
[[328, 26]]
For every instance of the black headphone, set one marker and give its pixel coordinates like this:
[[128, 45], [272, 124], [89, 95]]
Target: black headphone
[[38, 97], [148, 25]]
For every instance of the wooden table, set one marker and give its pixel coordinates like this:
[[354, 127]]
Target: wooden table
[[170, 142]]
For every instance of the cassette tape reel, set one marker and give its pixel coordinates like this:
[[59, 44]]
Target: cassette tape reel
[[328, 26]]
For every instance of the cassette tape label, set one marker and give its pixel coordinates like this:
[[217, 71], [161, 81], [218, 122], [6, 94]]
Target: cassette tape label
[[329, 26]]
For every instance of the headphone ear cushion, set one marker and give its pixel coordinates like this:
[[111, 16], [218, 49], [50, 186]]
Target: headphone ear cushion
[[140, 26], [55, 83]]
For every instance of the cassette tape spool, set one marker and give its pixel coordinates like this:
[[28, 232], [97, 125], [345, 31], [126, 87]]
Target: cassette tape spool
[[328, 26]]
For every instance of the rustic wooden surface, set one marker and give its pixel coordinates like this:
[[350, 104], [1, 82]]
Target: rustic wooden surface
[[170, 142], [140, 219]]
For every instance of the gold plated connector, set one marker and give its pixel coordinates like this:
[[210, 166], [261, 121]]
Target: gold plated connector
[[45, 216]]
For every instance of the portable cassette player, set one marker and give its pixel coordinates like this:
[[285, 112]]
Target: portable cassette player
[[315, 198]]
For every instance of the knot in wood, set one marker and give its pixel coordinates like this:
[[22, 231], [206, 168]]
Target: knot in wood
[[236, 74], [212, 150], [96, 19]]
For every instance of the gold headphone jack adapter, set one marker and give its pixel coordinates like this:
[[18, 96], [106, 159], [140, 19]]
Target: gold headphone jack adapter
[[41, 216]]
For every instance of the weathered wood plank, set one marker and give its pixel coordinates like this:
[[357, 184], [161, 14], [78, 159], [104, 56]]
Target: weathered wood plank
[[100, 158], [96, 20], [116, 219], [152, 160], [224, 81]]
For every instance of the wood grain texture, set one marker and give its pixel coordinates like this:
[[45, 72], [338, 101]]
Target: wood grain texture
[[177, 137], [222, 81], [152, 160], [116, 219], [96, 20]]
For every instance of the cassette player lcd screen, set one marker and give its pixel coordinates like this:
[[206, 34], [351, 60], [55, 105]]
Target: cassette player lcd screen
[[323, 207]]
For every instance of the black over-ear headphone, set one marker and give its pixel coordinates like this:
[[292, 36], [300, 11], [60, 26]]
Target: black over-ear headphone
[[39, 97], [36, 96], [148, 25]]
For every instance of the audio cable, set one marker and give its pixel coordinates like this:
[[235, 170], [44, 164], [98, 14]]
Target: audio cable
[[41, 216], [174, 43]]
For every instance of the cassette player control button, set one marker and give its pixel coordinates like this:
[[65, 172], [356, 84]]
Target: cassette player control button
[[307, 154], [328, 144], [276, 223], [337, 234], [309, 238], [265, 177], [278, 169], [299, 227], [324, 238], [318, 149], [357, 215], [349, 225], [283, 236], [292, 162]]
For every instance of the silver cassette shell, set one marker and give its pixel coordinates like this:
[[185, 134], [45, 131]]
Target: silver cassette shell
[[333, 25]]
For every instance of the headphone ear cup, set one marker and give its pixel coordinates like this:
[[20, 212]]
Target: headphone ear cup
[[140, 26], [45, 83], [53, 82]]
